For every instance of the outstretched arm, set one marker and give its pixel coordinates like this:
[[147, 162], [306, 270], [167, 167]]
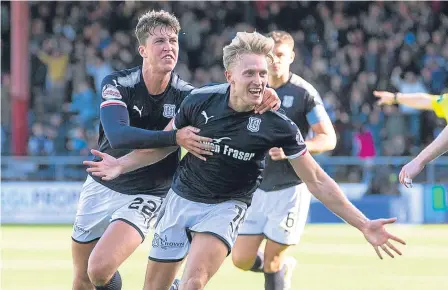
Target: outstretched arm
[[110, 167], [330, 194], [434, 150], [115, 120], [119, 133], [327, 191], [421, 101], [144, 157]]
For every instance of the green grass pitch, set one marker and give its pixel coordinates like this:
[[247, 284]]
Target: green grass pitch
[[330, 257]]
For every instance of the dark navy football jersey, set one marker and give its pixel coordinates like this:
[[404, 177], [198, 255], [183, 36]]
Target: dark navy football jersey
[[240, 141], [303, 105], [126, 88]]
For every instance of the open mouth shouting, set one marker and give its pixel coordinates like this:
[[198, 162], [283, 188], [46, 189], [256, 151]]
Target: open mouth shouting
[[256, 92], [168, 57]]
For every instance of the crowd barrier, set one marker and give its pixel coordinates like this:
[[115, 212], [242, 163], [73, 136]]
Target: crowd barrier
[[56, 202]]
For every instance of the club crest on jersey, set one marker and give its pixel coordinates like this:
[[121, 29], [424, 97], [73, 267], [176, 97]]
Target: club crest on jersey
[[287, 101], [254, 124], [169, 110]]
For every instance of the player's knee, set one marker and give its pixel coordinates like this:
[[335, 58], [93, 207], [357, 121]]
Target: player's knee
[[195, 283], [272, 263], [99, 273], [242, 261]]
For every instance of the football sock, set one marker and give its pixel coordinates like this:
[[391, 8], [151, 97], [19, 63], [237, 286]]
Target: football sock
[[259, 263], [113, 284], [275, 281]]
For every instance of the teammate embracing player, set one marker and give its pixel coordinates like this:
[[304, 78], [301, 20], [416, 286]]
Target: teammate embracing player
[[207, 202], [280, 205], [113, 217]]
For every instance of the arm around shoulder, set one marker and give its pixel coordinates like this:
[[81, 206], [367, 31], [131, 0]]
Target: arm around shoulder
[[330, 194]]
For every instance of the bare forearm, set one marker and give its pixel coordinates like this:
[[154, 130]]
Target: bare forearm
[[321, 143], [331, 195], [144, 157], [324, 188], [420, 101], [436, 148]]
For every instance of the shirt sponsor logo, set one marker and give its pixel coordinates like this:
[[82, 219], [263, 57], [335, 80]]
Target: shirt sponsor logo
[[79, 229], [218, 147]]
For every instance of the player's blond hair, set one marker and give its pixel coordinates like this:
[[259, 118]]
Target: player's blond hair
[[152, 19], [282, 37], [244, 43]]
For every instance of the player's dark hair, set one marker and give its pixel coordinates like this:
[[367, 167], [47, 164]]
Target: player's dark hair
[[153, 19]]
